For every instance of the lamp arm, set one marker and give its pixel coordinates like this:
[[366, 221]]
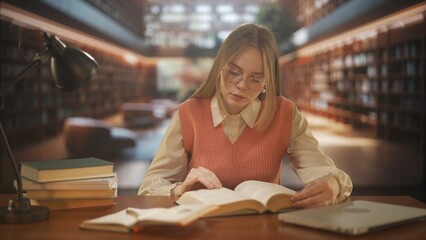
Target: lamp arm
[[12, 162], [35, 63]]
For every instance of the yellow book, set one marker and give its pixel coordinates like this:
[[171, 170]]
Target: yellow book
[[61, 204], [134, 219], [70, 194], [83, 184], [248, 197]]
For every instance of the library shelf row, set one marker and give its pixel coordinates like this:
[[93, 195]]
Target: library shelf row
[[376, 81]]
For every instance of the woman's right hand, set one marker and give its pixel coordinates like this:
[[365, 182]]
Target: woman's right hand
[[199, 175]]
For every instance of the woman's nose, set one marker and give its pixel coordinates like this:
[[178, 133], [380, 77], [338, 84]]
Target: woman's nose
[[241, 82]]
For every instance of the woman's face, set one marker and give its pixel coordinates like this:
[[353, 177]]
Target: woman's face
[[242, 80]]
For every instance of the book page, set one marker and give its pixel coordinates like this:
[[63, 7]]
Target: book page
[[131, 218], [228, 202], [178, 215], [122, 221], [262, 191], [119, 221], [219, 196]]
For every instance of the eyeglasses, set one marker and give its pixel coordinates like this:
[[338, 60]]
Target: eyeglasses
[[234, 76]]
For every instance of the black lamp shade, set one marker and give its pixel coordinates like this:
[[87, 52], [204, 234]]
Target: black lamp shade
[[72, 69]]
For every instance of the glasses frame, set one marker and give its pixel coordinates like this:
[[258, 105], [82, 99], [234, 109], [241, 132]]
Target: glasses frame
[[250, 77]]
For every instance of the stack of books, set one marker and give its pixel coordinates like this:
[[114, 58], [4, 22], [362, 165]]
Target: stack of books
[[69, 183]]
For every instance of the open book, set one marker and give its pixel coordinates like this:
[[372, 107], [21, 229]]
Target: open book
[[248, 197], [134, 219]]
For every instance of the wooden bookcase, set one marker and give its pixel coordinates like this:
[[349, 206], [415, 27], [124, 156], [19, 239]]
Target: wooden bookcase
[[376, 81], [36, 109]]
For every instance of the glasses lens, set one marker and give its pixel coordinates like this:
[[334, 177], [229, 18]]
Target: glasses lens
[[255, 83], [232, 76]]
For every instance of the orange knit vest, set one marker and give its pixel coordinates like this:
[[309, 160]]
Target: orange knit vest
[[254, 156]]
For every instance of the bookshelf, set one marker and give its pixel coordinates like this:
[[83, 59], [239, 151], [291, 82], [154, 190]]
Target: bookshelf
[[375, 81], [36, 109]]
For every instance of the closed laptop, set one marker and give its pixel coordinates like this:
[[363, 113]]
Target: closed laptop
[[356, 217]]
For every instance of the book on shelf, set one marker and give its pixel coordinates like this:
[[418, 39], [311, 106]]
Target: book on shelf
[[62, 204], [70, 194], [67, 169], [83, 184], [247, 198], [135, 219]]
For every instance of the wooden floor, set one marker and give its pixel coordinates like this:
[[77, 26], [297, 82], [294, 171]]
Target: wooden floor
[[375, 166]]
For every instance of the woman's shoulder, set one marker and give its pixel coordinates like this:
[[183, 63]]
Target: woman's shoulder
[[284, 100], [194, 102]]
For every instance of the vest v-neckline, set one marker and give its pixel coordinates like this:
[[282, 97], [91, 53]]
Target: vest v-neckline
[[244, 142]]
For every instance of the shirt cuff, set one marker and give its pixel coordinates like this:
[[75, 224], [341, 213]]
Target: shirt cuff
[[345, 186], [172, 188]]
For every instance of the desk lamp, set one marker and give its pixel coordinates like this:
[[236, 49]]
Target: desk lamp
[[71, 68]]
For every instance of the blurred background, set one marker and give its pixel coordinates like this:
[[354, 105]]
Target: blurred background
[[355, 68]]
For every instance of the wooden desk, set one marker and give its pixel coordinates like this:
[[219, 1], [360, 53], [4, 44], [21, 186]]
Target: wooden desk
[[65, 224]]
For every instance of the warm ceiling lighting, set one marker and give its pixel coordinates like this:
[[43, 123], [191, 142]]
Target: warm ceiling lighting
[[30, 20], [399, 19]]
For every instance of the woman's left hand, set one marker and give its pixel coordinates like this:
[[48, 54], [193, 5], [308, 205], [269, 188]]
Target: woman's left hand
[[319, 192]]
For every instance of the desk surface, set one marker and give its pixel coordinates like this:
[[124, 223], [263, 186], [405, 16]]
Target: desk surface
[[64, 224]]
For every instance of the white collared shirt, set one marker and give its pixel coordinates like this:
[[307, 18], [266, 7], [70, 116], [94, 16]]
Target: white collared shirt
[[234, 125]]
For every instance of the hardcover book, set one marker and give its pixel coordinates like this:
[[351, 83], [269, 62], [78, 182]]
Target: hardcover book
[[62, 204], [83, 184], [67, 169], [70, 194]]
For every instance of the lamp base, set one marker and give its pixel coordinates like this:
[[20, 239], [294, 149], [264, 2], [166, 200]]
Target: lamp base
[[23, 213], [36, 213]]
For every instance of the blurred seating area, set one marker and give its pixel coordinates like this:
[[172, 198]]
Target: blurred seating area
[[147, 113], [90, 137]]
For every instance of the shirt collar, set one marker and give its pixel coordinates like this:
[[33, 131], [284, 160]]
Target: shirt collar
[[248, 114]]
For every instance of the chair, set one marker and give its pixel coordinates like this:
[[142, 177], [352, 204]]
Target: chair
[[142, 114]]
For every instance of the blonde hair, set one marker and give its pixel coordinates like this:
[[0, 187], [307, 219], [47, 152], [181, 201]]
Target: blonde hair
[[260, 37]]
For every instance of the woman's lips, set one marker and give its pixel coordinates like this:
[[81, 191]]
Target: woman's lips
[[236, 96]]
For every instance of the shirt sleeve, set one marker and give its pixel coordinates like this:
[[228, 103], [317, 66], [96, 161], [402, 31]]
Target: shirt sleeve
[[170, 164], [309, 161]]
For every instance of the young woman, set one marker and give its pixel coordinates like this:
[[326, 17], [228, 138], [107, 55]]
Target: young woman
[[238, 127]]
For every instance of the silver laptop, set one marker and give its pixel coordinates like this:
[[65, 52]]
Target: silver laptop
[[354, 218]]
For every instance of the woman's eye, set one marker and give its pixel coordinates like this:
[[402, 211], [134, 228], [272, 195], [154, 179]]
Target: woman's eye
[[256, 80], [233, 72]]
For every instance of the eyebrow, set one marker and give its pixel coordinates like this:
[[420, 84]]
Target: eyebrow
[[240, 68]]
